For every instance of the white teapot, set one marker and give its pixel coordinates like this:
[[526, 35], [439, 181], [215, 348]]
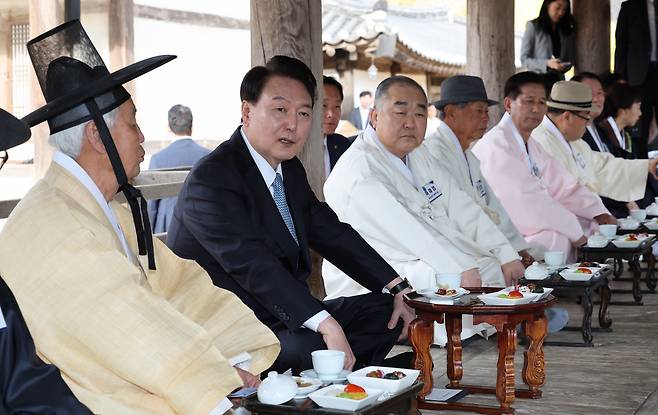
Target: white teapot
[[277, 389], [536, 271]]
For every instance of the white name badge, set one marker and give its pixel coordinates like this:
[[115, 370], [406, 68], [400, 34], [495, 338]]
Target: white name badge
[[479, 186], [431, 191], [581, 161], [3, 323]]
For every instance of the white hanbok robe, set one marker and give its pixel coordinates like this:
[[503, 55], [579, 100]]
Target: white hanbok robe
[[545, 202], [602, 173], [414, 216], [444, 146]]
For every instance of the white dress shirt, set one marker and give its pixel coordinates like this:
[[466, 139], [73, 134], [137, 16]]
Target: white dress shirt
[[269, 174], [618, 134], [507, 120], [3, 323], [81, 175], [651, 15], [364, 117], [327, 161]]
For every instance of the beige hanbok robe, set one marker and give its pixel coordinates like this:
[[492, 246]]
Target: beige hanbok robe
[[127, 342], [602, 173], [444, 146]]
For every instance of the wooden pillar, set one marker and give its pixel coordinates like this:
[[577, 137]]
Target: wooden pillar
[[5, 62], [122, 37], [294, 28], [44, 15], [592, 35], [490, 47], [345, 69]]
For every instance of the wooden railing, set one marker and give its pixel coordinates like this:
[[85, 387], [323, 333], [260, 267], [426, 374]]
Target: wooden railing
[[154, 184]]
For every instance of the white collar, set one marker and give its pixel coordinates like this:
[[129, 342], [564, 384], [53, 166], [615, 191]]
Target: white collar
[[507, 121], [595, 135], [81, 175], [268, 173], [447, 131], [557, 133], [615, 129], [402, 166]]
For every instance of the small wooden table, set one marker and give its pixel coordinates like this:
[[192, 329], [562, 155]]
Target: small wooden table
[[583, 290], [403, 403], [632, 255], [505, 319], [650, 278]]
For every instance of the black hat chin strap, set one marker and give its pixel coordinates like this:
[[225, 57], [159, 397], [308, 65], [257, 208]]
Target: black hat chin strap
[[134, 196]]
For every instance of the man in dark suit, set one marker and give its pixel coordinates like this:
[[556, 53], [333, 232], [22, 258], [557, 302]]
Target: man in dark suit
[[636, 58], [246, 214], [359, 115], [334, 144], [182, 152]]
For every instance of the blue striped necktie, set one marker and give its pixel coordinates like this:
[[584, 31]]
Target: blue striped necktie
[[279, 195]]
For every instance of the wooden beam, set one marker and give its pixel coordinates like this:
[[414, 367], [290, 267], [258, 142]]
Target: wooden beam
[[592, 35], [190, 18], [294, 28], [345, 69], [122, 37], [490, 46], [44, 15]]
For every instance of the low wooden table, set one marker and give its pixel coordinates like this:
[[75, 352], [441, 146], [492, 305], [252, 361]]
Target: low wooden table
[[505, 319], [650, 277], [632, 255], [403, 403], [583, 290]]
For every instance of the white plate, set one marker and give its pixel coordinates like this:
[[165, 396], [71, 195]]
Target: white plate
[[620, 243], [577, 265], [651, 224], [431, 294], [326, 398], [389, 385], [590, 245], [303, 392], [310, 373], [493, 299], [569, 274]]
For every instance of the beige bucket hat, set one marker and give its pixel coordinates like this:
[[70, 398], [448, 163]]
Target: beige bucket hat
[[570, 96]]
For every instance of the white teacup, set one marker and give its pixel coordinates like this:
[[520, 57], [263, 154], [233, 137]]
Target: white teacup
[[608, 231], [638, 214], [328, 363], [554, 258], [448, 281]]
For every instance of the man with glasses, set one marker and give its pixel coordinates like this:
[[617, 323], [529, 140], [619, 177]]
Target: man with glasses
[[546, 203], [560, 135]]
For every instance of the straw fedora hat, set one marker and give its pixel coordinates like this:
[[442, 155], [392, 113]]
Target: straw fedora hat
[[570, 96]]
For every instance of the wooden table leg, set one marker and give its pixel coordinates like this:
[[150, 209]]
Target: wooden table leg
[[586, 328], [604, 321], [505, 376], [651, 277], [617, 267], [533, 362], [454, 348], [637, 276], [421, 334]]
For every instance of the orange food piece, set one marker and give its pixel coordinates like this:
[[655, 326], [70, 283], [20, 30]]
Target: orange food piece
[[584, 271], [515, 294], [631, 238], [352, 388]]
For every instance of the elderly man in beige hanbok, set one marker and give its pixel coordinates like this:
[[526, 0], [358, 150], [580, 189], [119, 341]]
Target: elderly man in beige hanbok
[[464, 116], [408, 208], [560, 135], [129, 339]]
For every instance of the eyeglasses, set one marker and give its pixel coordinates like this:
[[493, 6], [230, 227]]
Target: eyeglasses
[[582, 117], [3, 158]]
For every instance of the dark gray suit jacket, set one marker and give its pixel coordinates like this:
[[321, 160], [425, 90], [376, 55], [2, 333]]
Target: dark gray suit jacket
[[181, 153], [537, 48]]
